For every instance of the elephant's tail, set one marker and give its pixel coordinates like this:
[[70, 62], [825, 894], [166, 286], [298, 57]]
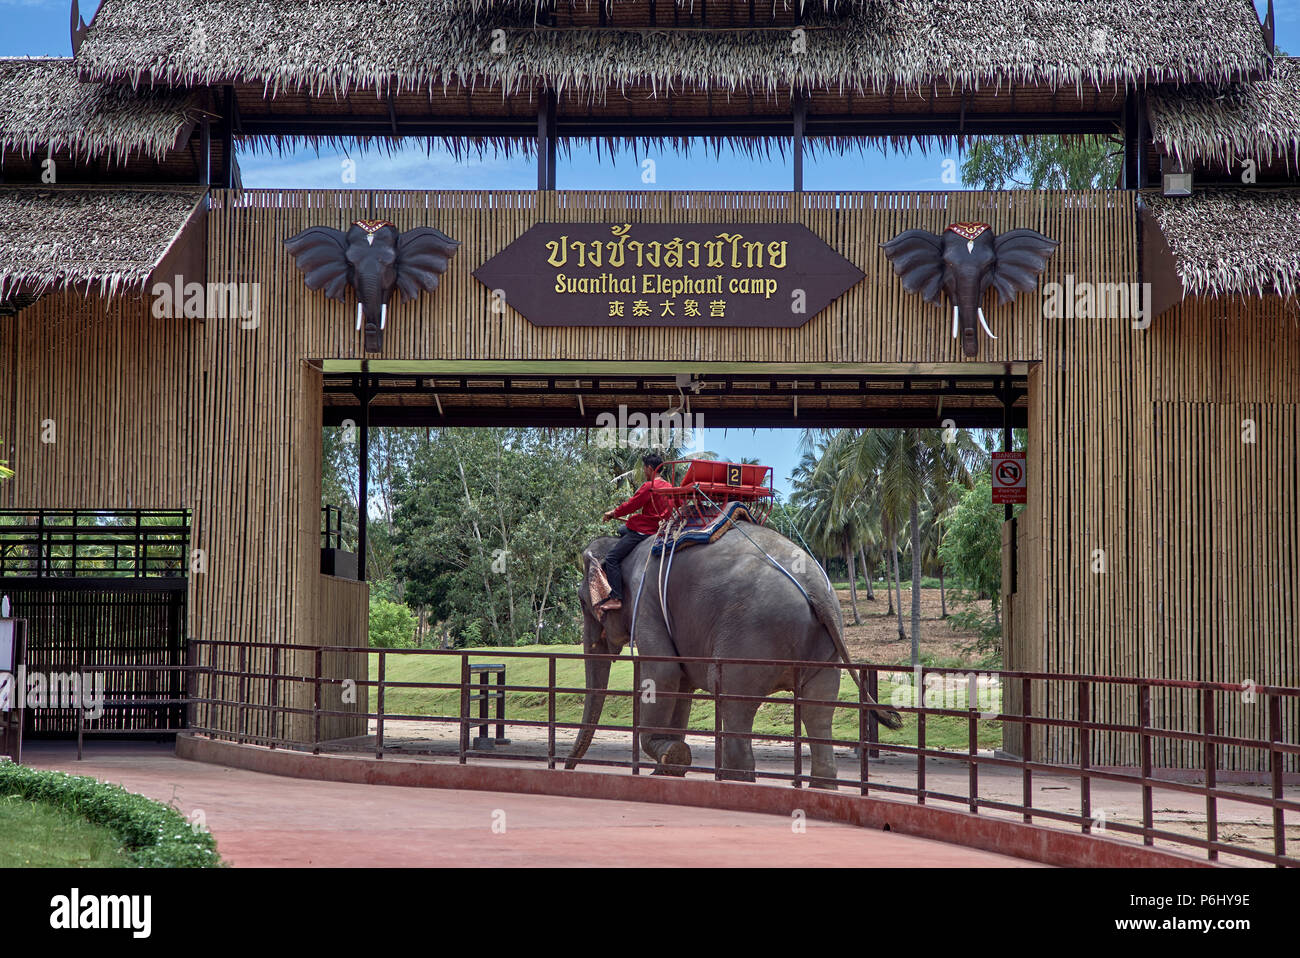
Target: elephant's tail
[[826, 607]]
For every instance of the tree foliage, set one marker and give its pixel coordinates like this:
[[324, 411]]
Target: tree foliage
[[1043, 163], [489, 525]]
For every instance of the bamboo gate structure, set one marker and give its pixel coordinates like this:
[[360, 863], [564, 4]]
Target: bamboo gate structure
[[1165, 455]]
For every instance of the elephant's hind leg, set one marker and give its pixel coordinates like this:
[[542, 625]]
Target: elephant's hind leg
[[737, 760], [817, 723]]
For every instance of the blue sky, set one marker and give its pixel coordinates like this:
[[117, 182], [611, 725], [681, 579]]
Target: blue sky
[[40, 28]]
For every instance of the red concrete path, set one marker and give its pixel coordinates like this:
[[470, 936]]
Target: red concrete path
[[268, 820]]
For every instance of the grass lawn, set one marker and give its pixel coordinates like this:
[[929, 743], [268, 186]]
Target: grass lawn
[[36, 835], [941, 732]]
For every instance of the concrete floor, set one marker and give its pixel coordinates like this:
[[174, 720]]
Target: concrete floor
[[266, 821]]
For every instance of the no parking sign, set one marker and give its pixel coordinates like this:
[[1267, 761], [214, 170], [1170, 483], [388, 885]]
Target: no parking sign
[[1009, 478]]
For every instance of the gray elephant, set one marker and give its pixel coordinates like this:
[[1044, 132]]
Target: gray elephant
[[724, 600]]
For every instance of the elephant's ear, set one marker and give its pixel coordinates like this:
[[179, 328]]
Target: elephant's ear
[[917, 257], [422, 256], [1021, 256], [321, 253]]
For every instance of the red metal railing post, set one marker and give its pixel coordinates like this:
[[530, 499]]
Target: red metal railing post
[[636, 714], [1026, 748], [798, 740], [276, 731], [464, 706], [379, 708], [315, 707], [1085, 753], [972, 732], [1275, 765], [864, 723], [717, 723], [920, 737], [1144, 742], [500, 710], [243, 694], [873, 728], [1210, 726], [550, 712]]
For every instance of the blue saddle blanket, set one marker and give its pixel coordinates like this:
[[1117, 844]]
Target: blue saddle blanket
[[700, 528]]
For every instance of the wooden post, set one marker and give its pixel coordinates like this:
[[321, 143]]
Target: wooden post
[[800, 121], [228, 138], [363, 474], [546, 140]]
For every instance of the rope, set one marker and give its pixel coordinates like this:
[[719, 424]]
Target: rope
[[797, 584], [808, 549]]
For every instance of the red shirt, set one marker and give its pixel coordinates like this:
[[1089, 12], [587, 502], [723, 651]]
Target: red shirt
[[654, 509]]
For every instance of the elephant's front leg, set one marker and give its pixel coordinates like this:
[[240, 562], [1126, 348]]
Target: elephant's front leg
[[669, 750]]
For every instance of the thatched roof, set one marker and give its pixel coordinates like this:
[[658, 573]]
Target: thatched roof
[[45, 106], [1259, 120], [1233, 240], [332, 46], [109, 237]]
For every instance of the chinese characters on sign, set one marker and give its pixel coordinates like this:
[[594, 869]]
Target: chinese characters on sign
[[668, 274]]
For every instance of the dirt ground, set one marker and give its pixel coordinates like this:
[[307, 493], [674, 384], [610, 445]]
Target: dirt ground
[[876, 638]]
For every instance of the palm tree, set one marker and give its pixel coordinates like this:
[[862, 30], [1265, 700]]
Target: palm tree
[[827, 527], [900, 468]]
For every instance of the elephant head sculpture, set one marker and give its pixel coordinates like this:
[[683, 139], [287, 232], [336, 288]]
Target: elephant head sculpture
[[964, 261], [374, 259]]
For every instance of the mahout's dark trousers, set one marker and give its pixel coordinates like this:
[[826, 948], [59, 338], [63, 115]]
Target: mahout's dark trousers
[[613, 563]]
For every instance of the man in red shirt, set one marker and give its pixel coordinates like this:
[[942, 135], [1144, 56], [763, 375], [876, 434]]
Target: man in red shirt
[[653, 510]]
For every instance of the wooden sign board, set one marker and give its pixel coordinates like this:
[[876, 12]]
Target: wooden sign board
[[668, 274], [1009, 486]]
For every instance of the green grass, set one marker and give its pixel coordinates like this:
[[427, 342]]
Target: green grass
[[941, 731], [36, 835], [150, 834]]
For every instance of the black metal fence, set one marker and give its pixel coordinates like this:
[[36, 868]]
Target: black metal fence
[[331, 535], [265, 723], [81, 543], [104, 593]]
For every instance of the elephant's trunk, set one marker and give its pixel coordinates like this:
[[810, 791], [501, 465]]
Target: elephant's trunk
[[967, 319], [597, 682]]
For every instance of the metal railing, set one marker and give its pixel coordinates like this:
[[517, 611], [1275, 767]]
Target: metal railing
[[94, 543], [331, 536], [222, 685]]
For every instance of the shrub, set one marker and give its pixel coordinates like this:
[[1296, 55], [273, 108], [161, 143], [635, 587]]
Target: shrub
[[392, 625], [155, 835]]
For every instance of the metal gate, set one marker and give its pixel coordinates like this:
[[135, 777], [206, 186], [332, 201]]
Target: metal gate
[[104, 596]]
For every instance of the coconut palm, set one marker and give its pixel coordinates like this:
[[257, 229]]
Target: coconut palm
[[899, 469]]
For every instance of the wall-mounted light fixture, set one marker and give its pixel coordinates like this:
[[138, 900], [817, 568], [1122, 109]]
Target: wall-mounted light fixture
[[1174, 180]]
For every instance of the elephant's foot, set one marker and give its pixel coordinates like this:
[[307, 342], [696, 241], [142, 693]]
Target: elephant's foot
[[737, 775], [674, 760], [830, 784]]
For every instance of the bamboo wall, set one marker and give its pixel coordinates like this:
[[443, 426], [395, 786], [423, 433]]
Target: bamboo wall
[[119, 387], [1134, 434]]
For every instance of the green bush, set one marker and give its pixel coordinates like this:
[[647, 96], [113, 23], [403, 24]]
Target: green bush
[[155, 835], [392, 624]]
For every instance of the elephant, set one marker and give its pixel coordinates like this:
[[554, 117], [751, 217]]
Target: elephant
[[964, 262], [374, 259], [725, 599]]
